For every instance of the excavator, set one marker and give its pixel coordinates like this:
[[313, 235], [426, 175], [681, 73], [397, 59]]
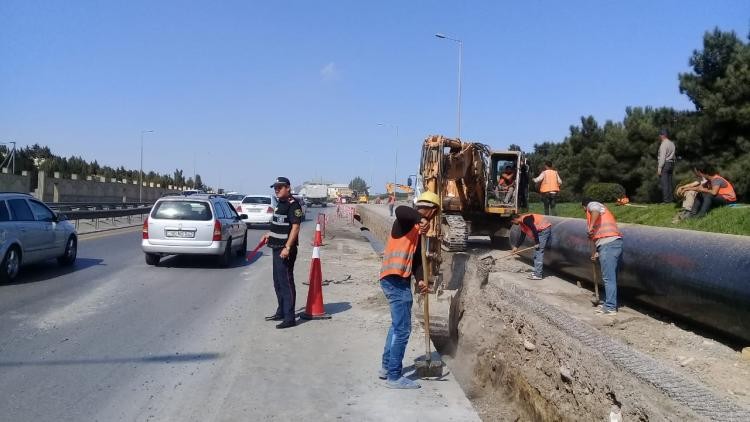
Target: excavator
[[392, 187], [479, 191]]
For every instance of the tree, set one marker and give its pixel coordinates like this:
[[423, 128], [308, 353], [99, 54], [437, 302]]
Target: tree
[[358, 184], [198, 182]]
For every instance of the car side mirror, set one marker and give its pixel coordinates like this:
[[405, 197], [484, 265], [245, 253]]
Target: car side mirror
[[408, 182], [243, 216]]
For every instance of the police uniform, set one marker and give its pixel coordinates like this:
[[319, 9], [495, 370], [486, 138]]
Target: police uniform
[[287, 213]]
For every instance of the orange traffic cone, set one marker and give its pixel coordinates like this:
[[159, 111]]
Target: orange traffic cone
[[318, 240], [315, 308]]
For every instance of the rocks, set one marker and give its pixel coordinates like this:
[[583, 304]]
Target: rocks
[[566, 374], [686, 362], [746, 353], [528, 345]]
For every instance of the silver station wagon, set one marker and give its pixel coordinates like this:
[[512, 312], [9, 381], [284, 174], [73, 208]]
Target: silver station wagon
[[30, 232], [198, 224]]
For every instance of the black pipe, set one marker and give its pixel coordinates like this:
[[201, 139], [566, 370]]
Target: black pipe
[[699, 277]]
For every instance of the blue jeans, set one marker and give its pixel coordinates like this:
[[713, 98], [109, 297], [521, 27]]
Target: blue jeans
[[539, 252], [609, 258], [398, 292]]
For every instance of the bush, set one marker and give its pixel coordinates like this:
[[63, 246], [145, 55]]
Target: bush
[[604, 192]]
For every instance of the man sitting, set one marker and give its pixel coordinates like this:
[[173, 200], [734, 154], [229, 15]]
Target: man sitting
[[691, 199], [506, 184], [721, 191]]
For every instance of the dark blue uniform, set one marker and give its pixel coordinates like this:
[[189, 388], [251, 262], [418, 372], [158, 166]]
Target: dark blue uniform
[[287, 213]]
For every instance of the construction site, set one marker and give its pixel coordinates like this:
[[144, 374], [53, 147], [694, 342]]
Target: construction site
[[535, 350]]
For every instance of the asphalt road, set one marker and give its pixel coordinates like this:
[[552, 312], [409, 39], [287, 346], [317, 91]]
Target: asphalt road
[[114, 339]]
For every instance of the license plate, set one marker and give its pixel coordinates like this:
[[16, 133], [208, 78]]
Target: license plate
[[252, 210], [182, 234]]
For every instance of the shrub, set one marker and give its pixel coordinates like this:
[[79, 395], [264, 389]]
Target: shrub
[[604, 192]]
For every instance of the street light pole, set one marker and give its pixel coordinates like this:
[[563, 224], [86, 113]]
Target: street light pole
[[395, 164], [140, 174], [460, 64]]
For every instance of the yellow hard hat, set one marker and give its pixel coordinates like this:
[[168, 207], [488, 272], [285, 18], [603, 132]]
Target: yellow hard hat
[[428, 198]]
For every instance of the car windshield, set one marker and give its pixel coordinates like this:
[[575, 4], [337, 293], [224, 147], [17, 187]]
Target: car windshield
[[263, 200], [182, 210], [235, 197]]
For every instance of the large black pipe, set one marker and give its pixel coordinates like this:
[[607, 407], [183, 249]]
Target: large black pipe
[[700, 277]]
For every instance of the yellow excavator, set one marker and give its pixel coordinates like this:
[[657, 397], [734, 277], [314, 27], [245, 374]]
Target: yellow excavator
[[392, 187]]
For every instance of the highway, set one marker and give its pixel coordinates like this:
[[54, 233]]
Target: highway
[[114, 339]]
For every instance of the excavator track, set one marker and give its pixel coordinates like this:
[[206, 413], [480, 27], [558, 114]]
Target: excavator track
[[455, 233]]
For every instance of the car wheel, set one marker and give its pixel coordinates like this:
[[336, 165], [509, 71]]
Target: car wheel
[[153, 259], [11, 265], [243, 251], [226, 257], [71, 252]]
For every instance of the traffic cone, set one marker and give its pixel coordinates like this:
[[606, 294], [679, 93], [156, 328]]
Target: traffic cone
[[318, 240], [314, 308]]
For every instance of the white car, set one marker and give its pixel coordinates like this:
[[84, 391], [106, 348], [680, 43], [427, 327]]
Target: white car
[[235, 199], [258, 208], [194, 225]]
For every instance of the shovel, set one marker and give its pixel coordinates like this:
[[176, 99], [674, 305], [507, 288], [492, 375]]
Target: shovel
[[427, 366]]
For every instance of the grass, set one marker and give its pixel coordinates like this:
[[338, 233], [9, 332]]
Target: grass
[[726, 220]]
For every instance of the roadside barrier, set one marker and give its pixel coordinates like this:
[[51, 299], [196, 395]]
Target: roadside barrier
[[345, 212], [315, 308]]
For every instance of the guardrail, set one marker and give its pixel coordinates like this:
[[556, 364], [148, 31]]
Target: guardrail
[[74, 206], [97, 216]]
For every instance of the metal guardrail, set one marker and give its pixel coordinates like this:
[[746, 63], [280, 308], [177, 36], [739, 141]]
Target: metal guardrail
[[74, 206], [97, 216]]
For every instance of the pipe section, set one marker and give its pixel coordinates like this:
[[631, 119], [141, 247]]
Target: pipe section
[[699, 277]]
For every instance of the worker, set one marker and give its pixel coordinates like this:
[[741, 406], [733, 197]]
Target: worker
[[391, 202], [537, 228], [402, 259], [691, 199], [602, 229], [549, 186], [283, 241], [720, 193], [506, 183], [665, 165], [523, 186]]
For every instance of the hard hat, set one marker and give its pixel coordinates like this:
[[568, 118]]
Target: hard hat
[[429, 199]]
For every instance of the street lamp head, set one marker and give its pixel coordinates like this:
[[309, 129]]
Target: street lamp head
[[440, 35]]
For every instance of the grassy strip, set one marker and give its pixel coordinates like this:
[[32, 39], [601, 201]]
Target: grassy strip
[[726, 220]]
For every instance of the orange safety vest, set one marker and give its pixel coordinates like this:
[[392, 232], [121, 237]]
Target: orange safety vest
[[549, 183], [604, 226], [399, 254], [539, 221], [727, 192]]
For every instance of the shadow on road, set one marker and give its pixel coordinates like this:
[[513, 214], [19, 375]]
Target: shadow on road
[[189, 261], [176, 358], [44, 271]]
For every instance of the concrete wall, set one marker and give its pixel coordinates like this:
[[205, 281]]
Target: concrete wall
[[15, 183], [56, 189]]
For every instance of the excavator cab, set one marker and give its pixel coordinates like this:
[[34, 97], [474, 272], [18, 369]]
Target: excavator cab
[[503, 183]]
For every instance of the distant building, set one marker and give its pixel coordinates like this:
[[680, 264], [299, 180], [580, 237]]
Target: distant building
[[337, 189]]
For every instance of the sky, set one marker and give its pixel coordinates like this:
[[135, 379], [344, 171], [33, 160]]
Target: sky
[[245, 91]]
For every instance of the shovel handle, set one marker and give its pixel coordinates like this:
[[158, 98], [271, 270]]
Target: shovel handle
[[517, 252], [426, 299]]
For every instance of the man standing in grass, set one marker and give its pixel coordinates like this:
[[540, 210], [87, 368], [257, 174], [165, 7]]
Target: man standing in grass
[[602, 230], [665, 166], [549, 186]]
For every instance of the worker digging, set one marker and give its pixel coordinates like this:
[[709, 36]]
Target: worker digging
[[402, 258]]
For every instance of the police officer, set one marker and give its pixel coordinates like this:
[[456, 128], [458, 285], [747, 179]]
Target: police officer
[[282, 239]]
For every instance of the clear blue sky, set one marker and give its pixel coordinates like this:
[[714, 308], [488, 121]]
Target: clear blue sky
[[259, 89]]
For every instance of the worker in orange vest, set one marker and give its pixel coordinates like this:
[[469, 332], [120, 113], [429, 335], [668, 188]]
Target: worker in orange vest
[[721, 191], [603, 231], [402, 259], [537, 228], [549, 186]]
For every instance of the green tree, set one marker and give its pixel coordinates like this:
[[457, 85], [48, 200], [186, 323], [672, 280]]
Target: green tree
[[198, 182], [359, 185]]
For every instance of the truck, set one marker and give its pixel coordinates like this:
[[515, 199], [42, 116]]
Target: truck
[[316, 195]]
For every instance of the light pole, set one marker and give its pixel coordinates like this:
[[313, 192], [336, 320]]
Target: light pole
[[460, 60], [140, 174], [11, 158], [395, 164]]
